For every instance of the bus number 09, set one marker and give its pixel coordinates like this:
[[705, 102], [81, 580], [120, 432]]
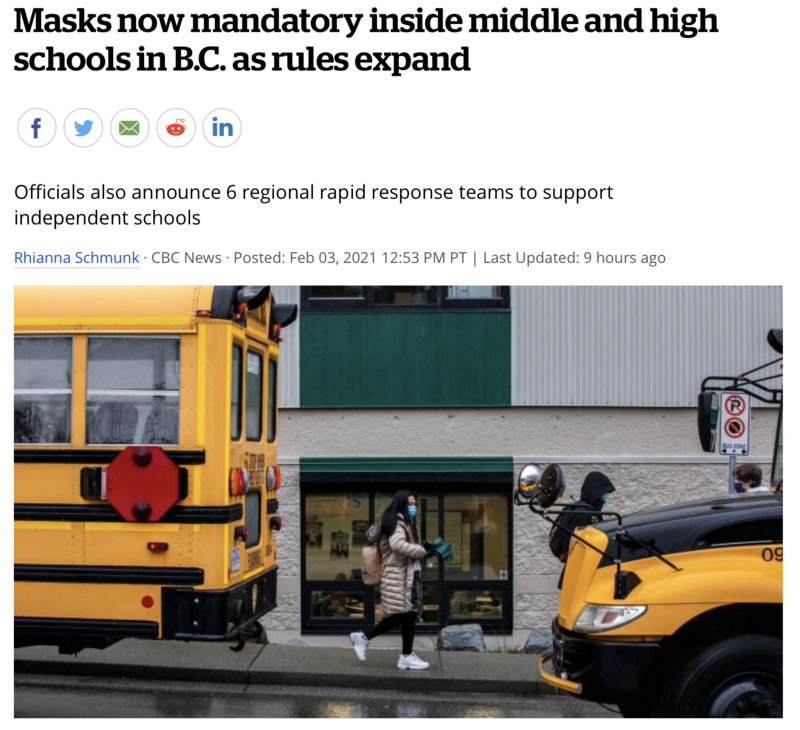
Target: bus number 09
[[770, 554]]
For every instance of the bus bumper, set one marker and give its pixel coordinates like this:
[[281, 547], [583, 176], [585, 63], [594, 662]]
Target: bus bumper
[[217, 615], [601, 671]]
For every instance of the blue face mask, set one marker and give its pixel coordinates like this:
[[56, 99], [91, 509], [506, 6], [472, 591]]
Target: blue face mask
[[412, 511], [604, 497]]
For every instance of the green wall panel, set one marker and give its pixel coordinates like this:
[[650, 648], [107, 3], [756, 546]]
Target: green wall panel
[[397, 360]]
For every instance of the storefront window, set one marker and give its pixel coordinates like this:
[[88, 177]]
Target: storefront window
[[477, 528], [335, 531], [476, 604], [337, 604], [475, 586]]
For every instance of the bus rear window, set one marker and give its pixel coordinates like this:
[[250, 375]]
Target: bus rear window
[[42, 390], [132, 390]]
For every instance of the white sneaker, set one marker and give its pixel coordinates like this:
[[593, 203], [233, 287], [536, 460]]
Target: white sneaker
[[360, 645], [412, 661]]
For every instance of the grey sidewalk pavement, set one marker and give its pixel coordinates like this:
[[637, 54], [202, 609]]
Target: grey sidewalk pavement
[[288, 664]]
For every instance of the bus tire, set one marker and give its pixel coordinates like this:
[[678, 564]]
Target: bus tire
[[741, 676]]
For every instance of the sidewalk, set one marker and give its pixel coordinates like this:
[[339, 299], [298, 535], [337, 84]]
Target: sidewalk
[[288, 664]]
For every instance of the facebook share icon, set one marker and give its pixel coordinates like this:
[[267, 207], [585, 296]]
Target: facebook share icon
[[36, 127]]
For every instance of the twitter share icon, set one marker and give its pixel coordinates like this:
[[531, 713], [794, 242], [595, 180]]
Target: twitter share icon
[[83, 127]]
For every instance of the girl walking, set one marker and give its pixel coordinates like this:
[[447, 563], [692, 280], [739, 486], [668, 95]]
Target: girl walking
[[401, 588]]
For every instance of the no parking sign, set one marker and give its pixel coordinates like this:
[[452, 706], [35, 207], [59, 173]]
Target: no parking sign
[[734, 427]]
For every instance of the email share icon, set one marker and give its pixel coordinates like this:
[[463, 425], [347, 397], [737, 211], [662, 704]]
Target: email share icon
[[129, 129]]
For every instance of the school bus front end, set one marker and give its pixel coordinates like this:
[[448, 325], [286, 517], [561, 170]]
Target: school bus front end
[[146, 479], [693, 628]]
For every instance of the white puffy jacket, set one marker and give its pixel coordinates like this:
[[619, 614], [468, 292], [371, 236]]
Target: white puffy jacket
[[400, 557]]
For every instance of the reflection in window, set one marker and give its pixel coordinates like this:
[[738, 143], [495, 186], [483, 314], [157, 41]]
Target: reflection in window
[[477, 527], [42, 390], [335, 531], [405, 296], [254, 384], [476, 604], [474, 292], [337, 604], [132, 390]]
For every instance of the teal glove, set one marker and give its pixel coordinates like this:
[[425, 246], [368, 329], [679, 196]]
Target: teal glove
[[431, 547], [442, 550]]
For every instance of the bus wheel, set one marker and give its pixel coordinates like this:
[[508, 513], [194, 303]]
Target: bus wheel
[[737, 677]]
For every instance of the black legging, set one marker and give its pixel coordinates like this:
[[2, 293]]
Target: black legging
[[407, 623]]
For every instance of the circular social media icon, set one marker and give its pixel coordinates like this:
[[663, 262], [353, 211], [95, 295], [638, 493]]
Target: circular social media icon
[[83, 127], [36, 127], [222, 127], [129, 127], [175, 127]]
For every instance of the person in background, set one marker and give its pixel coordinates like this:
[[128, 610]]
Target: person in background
[[401, 587], [595, 490], [747, 479]]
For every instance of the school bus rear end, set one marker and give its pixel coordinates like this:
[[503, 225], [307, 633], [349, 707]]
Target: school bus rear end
[[146, 479]]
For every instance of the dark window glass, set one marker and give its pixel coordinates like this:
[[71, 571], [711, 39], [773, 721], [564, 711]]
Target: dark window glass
[[236, 393], [744, 533], [386, 298], [252, 518], [272, 402], [254, 390]]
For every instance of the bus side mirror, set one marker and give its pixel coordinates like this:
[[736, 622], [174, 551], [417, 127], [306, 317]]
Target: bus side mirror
[[707, 415]]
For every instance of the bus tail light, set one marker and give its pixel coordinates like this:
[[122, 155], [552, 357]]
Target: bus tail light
[[239, 482], [241, 533], [157, 547], [273, 478], [275, 522]]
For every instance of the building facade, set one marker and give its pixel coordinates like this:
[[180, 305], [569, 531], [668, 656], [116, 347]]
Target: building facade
[[448, 391]]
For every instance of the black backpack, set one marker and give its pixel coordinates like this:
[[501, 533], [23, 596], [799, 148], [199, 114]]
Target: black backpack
[[572, 516]]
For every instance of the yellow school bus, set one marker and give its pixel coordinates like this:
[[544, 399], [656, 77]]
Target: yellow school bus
[[145, 462]]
